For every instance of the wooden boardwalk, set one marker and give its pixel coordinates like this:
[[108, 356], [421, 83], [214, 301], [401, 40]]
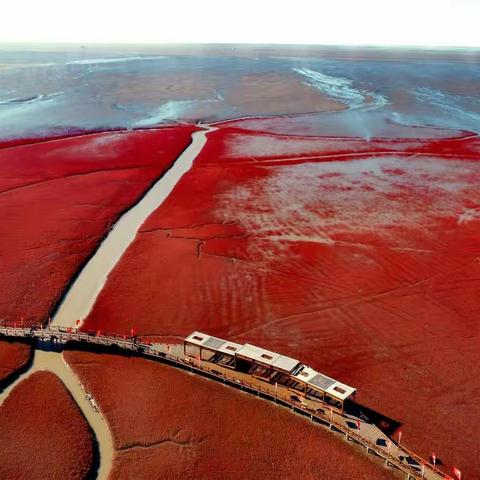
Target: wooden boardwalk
[[368, 435]]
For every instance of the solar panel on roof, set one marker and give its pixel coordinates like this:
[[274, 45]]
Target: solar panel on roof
[[214, 343], [321, 381]]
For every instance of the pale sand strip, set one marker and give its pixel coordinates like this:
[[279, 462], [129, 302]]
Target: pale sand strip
[[83, 293], [54, 362]]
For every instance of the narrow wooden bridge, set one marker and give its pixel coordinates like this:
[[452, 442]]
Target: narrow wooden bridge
[[354, 428]]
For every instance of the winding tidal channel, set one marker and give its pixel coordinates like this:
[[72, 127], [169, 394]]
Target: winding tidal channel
[[81, 296], [84, 291]]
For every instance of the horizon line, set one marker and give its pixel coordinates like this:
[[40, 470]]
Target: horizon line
[[239, 44]]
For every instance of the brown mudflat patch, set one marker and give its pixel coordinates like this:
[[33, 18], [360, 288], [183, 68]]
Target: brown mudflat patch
[[271, 93]]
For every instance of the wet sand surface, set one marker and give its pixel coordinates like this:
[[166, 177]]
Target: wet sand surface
[[353, 92], [273, 94]]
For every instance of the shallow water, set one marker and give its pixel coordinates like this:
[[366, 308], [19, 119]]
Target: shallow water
[[45, 91]]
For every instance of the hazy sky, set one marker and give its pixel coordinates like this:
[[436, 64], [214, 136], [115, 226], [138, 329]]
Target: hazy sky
[[380, 22]]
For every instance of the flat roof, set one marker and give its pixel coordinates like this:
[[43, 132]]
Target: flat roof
[[304, 374], [326, 384], [267, 357], [213, 343]]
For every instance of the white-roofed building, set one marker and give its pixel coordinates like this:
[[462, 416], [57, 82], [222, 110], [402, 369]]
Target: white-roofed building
[[269, 366], [266, 357], [318, 385], [263, 363], [197, 343]]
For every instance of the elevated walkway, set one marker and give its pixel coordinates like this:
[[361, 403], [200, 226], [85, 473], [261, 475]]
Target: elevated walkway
[[355, 427]]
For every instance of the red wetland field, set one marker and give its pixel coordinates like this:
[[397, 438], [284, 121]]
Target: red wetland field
[[60, 197], [43, 433], [360, 258], [179, 426], [13, 357], [334, 219]]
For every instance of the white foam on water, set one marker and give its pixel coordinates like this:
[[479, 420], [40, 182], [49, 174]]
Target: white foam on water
[[341, 89], [458, 115], [172, 110], [90, 61]]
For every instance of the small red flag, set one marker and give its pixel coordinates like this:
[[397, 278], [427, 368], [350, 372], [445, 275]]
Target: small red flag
[[358, 424], [77, 322], [457, 473]]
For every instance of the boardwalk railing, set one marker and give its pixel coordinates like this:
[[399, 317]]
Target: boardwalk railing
[[412, 469]]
